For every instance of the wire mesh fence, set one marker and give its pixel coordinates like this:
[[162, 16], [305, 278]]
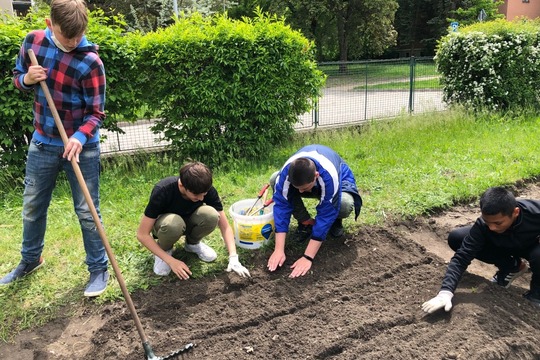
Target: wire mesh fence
[[355, 92]]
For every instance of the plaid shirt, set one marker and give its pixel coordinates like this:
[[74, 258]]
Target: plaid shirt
[[77, 84]]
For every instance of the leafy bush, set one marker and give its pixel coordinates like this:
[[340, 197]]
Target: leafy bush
[[15, 106], [492, 65], [228, 88]]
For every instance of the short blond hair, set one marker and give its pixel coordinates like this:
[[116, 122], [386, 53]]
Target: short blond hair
[[71, 16]]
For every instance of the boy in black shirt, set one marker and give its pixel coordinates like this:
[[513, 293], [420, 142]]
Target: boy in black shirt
[[507, 232], [186, 205]]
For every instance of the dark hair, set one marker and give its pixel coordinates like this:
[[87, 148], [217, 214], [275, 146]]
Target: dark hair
[[71, 16], [497, 200], [301, 172], [196, 177]]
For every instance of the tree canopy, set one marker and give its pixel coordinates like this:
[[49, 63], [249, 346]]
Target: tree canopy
[[341, 29]]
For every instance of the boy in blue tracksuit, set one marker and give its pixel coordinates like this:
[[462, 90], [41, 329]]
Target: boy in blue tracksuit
[[315, 171]]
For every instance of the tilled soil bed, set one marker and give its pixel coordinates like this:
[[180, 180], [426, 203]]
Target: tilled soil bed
[[361, 301]]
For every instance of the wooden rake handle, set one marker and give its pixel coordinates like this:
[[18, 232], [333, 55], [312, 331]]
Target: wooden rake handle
[[91, 205]]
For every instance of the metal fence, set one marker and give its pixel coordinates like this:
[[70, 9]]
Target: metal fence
[[355, 92]]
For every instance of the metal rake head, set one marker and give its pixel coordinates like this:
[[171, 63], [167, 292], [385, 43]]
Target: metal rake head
[[178, 354]]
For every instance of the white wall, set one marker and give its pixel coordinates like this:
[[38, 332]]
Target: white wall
[[5, 5]]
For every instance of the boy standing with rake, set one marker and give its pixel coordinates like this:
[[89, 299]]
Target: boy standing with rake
[[73, 71]]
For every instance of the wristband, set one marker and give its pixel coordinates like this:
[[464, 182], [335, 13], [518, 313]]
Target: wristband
[[308, 257]]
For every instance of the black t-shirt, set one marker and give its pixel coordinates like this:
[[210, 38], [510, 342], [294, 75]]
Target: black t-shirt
[[166, 198]]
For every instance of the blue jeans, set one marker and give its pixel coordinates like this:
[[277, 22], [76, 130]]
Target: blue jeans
[[43, 165]]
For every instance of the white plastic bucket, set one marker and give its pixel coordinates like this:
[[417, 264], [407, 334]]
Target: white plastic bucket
[[251, 232]]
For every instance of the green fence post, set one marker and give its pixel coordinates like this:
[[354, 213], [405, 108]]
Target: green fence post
[[315, 113], [366, 91], [412, 67]]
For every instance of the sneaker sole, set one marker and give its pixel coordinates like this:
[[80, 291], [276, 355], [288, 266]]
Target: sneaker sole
[[95, 293], [37, 267], [201, 258]]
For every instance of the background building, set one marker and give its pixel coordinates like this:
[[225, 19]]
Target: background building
[[517, 8]]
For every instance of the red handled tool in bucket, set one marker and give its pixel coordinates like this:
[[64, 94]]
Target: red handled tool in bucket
[[145, 343], [265, 205], [259, 196]]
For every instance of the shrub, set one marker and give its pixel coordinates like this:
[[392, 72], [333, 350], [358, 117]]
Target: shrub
[[228, 88], [492, 65], [15, 106]]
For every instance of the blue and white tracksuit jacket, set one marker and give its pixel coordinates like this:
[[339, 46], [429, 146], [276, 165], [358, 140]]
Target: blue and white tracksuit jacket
[[335, 176]]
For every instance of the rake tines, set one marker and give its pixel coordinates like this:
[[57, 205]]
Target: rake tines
[[176, 355]]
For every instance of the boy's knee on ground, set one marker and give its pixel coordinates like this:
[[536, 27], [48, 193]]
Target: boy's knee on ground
[[272, 180], [347, 205]]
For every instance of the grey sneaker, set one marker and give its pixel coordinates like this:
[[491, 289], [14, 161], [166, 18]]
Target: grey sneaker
[[97, 284], [21, 271], [203, 251]]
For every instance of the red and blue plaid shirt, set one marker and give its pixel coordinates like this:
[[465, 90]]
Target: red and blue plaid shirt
[[76, 81]]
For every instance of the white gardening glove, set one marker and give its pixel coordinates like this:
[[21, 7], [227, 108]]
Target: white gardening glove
[[234, 265], [443, 299]]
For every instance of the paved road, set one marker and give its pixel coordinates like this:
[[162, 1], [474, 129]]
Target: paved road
[[337, 107]]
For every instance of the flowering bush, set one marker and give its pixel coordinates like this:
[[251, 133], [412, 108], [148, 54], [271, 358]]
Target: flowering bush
[[492, 65]]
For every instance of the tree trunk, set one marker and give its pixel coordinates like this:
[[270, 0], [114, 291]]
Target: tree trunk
[[342, 41]]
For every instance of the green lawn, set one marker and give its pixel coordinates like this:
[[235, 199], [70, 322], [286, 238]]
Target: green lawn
[[379, 71], [406, 167], [421, 84]]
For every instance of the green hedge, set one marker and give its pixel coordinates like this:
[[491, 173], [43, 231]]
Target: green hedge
[[15, 106], [226, 88], [492, 65], [222, 88]]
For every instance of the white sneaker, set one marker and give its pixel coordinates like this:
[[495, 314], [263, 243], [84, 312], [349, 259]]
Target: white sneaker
[[203, 251], [161, 268]]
